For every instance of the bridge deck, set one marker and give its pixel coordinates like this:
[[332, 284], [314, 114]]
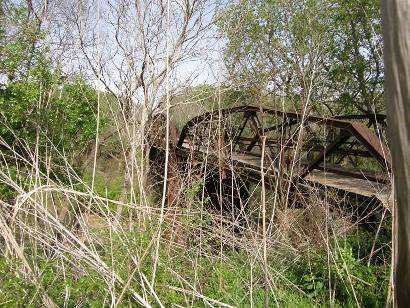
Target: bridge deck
[[356, 186], [361, 187]]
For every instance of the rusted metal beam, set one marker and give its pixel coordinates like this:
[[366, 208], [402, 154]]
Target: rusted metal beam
[[249, 109], [343, 137], [284, 124], [373, 144], [364, 135], [247, 116], [371, 118]]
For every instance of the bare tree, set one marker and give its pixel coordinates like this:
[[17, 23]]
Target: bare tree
[[396, 32], [134, 49]]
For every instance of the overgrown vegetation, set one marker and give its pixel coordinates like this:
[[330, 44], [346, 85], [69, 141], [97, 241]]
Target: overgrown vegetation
[[81, 224], [186, 278]]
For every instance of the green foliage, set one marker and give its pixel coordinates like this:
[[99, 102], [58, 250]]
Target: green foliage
[[35, 101], [362, 244], [76, 108], [348, 277], [284, 47], [268, 40], [195, 213], [104, 186], [18, 38], [65, 116], [57, 122], [357, 54], [41, 111], [230, 280], [6, 192], [14, 288]]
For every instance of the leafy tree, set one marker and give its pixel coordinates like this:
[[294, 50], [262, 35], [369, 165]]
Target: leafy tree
[[41, 110], [61, 114], [18, 39], [356, 70], [36, 99], [314, 52]]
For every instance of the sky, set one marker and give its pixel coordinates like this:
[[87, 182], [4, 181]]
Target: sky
[[204, 66]]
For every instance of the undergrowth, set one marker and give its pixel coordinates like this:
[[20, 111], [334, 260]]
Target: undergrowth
[[188, 277]]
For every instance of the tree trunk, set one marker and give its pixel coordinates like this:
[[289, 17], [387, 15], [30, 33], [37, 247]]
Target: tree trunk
[[396, 34]]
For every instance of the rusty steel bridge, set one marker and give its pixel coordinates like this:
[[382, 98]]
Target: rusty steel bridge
[[345, 153]]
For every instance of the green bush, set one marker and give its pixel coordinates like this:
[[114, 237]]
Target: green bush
[[230, 280], [66, 119], [347, 276]]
